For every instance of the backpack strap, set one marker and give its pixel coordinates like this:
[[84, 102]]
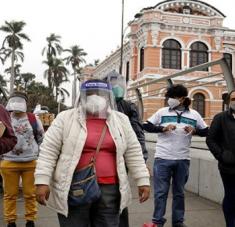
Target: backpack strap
[[33, 122]]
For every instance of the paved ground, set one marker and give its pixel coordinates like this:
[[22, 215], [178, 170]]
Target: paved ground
[[199, 212]]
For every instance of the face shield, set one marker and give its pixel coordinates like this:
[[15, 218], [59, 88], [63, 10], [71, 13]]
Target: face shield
[[96, 99], [17, 104], [118, 84]]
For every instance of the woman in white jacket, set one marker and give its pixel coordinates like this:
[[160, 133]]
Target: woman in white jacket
[[68, 146]]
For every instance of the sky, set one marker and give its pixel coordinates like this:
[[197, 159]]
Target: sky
[[94, 25]]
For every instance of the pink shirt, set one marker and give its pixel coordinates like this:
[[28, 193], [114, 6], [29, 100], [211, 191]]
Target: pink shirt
[[106, 169]]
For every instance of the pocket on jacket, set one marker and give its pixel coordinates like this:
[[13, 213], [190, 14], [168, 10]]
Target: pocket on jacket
[[228, 157]]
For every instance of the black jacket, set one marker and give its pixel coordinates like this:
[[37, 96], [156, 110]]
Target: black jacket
[[221, 141], [131, 111]]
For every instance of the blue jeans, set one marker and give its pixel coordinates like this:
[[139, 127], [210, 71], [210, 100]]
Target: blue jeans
[[229, 198], [165, 170], [103, 213]]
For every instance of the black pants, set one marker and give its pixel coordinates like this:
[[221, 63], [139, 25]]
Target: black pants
[[103, 213], [229, 198], [124, 220]]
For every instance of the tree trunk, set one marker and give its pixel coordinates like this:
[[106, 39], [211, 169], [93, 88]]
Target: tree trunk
[[56, 94], [12, 79]]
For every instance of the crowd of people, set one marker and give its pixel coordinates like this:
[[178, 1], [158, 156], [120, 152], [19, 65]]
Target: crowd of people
[[80, 166]]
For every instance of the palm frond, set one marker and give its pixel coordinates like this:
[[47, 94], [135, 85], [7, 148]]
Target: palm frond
[[24, 36]]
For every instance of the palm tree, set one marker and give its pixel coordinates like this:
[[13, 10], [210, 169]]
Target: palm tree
[[75, 59], [13, 42], [56, 74], [62, 92], [49, 72], [17, 77], [7, 52], [53, 47], [26, 79]]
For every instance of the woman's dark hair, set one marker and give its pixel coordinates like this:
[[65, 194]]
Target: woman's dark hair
[[187, 102], [176, 91]]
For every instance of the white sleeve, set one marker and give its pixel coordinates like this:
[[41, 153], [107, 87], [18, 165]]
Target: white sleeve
[[201, 124], [155, 118]]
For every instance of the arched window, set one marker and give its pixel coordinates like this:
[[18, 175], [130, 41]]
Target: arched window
[[141, 59], [171, 54], [199, 103], [229, 58], [198, 54]]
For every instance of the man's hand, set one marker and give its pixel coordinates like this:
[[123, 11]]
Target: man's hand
[[144, 192], [42, 193], [169, 127], [189, 129]]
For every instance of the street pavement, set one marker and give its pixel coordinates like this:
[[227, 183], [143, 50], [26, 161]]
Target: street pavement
[[199, 212]]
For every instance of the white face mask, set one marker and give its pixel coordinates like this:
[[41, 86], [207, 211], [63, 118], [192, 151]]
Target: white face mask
[[95, 104], [173, 103], [232, 105]]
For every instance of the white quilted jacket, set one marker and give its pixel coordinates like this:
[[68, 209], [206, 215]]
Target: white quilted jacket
[[62, 147]]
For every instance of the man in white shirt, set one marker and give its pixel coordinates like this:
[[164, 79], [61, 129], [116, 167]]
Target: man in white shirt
[[175, 124]]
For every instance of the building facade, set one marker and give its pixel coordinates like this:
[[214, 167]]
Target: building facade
[[169, 37]]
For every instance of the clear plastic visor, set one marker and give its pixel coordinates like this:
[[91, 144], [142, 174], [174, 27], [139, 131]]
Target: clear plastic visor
[[96, 102], [118, 84]]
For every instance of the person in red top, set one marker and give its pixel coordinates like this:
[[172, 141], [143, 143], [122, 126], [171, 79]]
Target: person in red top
[[8, 139], [75, 139]]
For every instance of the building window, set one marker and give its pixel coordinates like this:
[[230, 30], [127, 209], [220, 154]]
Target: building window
[[199, 103], [141, 59], [186, 10], [198, 54], [127, 71], [171, 54], [229, 58]]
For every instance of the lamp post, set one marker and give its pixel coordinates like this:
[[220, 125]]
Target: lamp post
[[122, 35]]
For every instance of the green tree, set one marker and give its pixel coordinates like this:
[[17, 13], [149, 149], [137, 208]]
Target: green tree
[[17, 77], [52, 50], [53, 47], [39, 93], [7, 53], [56, 74], [26, 79], [13, 41], [75, 58]]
